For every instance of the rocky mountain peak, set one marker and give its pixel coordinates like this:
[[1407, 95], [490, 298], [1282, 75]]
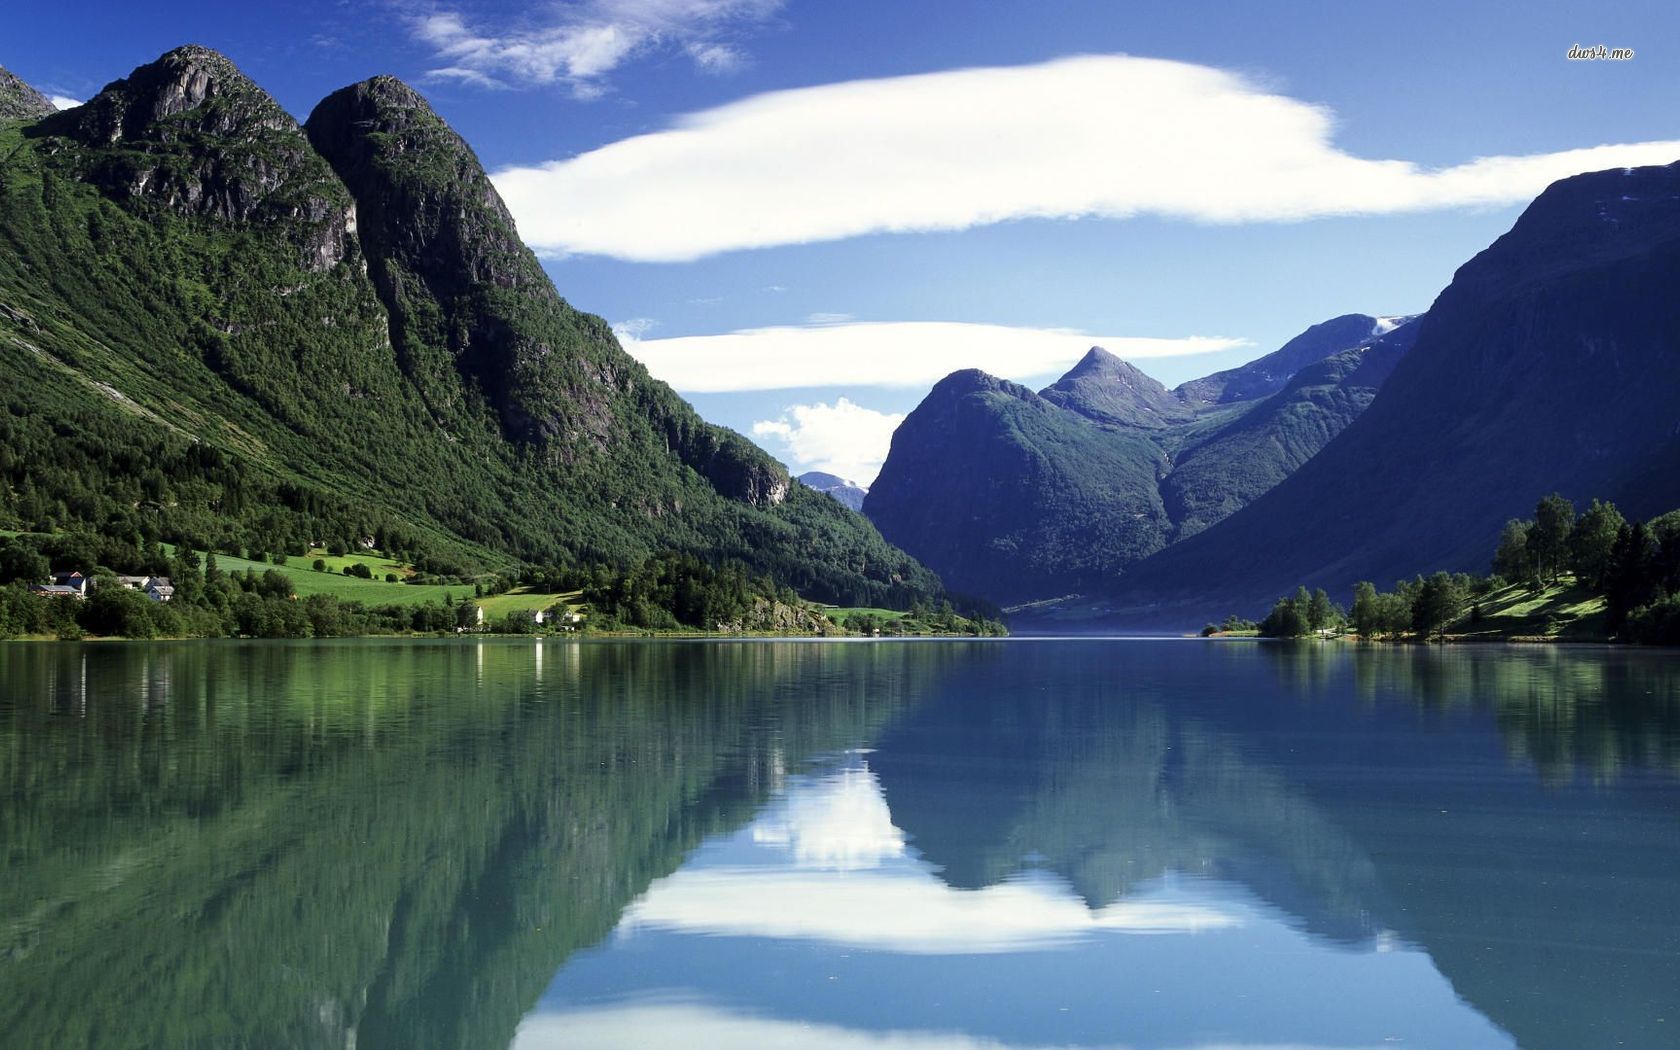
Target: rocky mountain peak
[[190, 134], [20, 101], [193, 80], [1106, 389]]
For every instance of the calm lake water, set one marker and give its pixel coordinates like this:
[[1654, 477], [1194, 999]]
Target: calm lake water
[[914, 845]]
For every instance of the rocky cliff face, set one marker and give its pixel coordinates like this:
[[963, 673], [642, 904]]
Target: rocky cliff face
[[19, 101], [189, 134]]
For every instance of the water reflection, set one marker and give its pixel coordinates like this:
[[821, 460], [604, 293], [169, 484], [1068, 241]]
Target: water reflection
[[975, 844]]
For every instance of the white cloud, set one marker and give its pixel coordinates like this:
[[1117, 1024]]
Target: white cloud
[[633, 329], [1092, 136], [843, 438], [703, 1026], [64, 102], [587, 40], [838, 822], [884, 353], [907, 911]]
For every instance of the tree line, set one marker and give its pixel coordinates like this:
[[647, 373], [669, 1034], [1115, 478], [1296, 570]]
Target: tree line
[[1633, 566]]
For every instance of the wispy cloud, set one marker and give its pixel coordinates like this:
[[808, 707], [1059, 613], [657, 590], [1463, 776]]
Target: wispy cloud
[[582, 42], [64, 101], [883, 354], [1095, 136], [842, 438]]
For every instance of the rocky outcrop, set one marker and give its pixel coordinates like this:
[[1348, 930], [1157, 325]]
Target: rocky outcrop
[[19, 101], [191, 135]]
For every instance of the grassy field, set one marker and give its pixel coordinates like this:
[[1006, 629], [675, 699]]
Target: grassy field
[[377, 563], [1561, 612], [307, 581], [522, 599], [840, 612]]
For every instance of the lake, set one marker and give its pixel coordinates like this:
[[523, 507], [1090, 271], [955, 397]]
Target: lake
[[918, 845]]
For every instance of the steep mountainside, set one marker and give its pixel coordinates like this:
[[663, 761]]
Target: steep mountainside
[[849, 493], [19, 101], [1010, 496], [1020, 497], [1549, 363], [217, 327], [1226, 471]]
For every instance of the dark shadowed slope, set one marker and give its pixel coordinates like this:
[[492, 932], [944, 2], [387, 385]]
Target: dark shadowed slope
[[1549, 363]]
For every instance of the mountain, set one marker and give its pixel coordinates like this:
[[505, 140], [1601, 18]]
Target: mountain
[[1548, 364], [1019, 497], [1243, 458], [1012, 497], [19, 101], [849, 493], [218, 325], [1267, 375], [1105, 389]]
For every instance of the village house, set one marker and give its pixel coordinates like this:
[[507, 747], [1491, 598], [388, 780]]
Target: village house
[[75, 585], [75, 582]]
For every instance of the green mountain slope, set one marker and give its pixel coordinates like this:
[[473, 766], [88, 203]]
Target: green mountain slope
[[1019, 497], [217, 328], [1006, 494]]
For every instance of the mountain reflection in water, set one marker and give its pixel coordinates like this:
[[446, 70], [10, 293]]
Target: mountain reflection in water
[[1114, 843]]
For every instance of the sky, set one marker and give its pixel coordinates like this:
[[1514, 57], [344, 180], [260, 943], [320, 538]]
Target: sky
[[803, 214]]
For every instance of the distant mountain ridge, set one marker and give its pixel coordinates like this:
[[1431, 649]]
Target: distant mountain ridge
[[1267, 375], [1019, 496], [849, 493], [222, 326]]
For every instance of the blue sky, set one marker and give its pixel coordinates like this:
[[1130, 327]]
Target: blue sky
[[893, 190]]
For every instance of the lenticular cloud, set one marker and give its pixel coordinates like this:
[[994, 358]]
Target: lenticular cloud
[[1106, 136]]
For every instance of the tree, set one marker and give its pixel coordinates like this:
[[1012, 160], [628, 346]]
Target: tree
[[1632, 580], [1367, 621], [1511, 560], [1548, 538], [1320, 612], [1592, 543], [1438, 604], [1286, 620]]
